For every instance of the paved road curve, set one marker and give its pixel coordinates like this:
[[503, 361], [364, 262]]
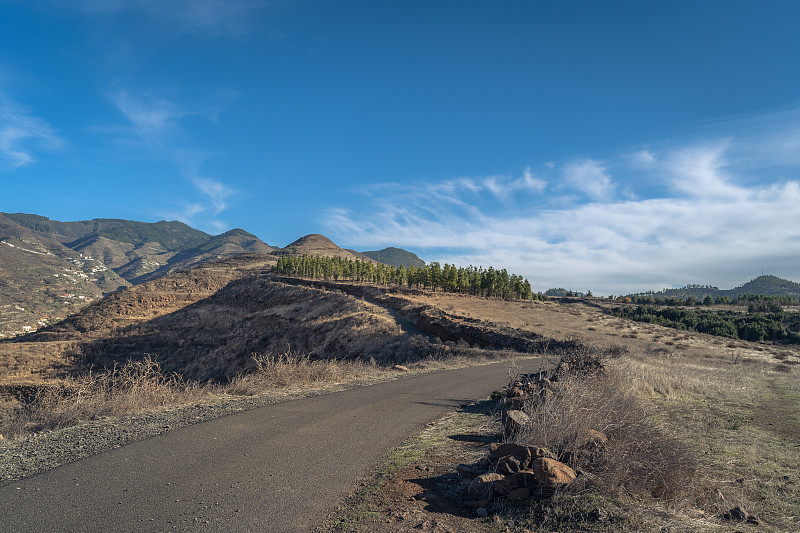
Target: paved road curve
[[276, 468]]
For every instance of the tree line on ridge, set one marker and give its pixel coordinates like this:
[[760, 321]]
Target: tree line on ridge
[[472, 280]]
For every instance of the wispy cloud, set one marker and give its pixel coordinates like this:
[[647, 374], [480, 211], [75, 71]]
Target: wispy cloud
[[214, 196], [152, 119], [711, 225], [21, 133], [153, 124], [589, 177]]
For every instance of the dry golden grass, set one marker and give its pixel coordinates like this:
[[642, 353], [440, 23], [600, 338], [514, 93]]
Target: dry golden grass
[[691, 435], [129, 388]]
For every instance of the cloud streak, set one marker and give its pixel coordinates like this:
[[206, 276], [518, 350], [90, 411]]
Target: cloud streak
[[153, 123], [21, 133], [706, 228]]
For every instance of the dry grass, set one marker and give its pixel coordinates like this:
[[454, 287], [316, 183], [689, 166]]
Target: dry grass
[[129, 388], [297, 371], [639, 457], [691, 435]]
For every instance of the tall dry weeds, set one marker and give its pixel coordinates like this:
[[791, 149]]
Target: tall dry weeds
[[639, 457], [128, 388], [295, 370]]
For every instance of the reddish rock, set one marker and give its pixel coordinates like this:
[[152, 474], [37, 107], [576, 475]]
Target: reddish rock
[[537, 452], [552, 472], [504, 486], [498, 450], [509, 465], [480, 488]]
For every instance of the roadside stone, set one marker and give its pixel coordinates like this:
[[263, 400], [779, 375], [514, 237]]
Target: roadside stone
[[552, 472], [508, 465], [537, 452], [514, 420], [504, 486], [480, 488], [521, 493], [498, 450], [400, 367], [483, 463]]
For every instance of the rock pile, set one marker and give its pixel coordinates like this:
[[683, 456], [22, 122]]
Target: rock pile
[[516, 472]]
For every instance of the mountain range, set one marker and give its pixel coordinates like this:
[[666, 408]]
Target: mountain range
[[766, 285], [50, 269]]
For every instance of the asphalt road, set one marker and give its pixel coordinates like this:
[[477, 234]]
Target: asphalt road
[[282, 467]]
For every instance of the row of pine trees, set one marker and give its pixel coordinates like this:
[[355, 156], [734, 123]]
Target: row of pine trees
[[471, 280]]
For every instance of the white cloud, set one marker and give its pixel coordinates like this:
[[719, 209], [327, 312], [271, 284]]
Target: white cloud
[[590, 177], [214, 195], [151, 118], [216, 192], [642, 160], [700, 172], [21, 133], [709, 231]]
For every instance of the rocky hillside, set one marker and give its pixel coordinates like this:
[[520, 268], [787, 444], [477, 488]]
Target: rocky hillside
[[41, 280], [49, 268]]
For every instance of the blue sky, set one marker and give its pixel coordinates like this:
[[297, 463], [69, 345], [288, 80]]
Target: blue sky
[[611, 146]]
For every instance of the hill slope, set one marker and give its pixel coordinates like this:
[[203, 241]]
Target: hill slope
[[42, 281], [43, 261], [316, 244], [396, 257]]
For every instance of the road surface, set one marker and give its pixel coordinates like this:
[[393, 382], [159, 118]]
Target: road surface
[[282, 467]]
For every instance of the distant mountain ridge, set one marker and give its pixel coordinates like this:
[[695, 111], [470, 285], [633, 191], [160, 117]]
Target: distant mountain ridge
[[396, 257], [50, 268], [765, 285], [138, 251]]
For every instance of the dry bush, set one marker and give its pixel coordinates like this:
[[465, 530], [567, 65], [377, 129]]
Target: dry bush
[[292, 369], [639, 458], [128, 388]]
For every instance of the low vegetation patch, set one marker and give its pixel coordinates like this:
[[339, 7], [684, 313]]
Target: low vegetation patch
[[780, 326]]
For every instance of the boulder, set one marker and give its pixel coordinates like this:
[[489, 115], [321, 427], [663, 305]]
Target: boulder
[[551, 472], [514, 420], [503, 487], [509, 465], [537, 452], [480, 488], [521, 452]]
